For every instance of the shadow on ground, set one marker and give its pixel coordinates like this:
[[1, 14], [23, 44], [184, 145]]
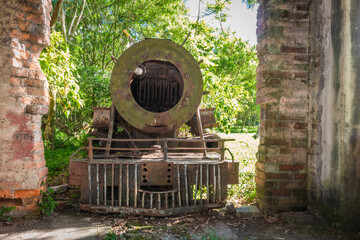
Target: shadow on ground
[[71, 223]]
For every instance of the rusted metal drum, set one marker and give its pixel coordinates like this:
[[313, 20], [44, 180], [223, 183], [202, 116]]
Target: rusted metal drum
[[156, 85]]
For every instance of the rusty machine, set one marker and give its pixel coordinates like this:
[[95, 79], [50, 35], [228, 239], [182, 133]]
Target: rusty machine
[[135, 164]]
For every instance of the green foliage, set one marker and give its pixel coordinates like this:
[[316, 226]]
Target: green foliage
[[211, 236], [244, 150], [184, 131], [230, 75], [245, 129], [48, 204], [78, 64], [99, 33], [58, 159], [95, 86], [246, 187], [250, 3], [4, 209], [57, 65], [111, 236]]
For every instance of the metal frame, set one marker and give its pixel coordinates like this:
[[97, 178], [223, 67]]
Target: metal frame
[[113, 185]]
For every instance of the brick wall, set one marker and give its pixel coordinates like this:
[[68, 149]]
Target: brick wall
[[283, 42], [24, 33]]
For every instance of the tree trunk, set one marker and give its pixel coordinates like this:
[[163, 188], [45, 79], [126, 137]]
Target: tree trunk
[[251, 123], [243, 121], [49, 134]]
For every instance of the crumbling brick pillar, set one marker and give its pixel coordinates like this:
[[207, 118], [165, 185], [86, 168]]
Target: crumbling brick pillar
[[283, 40], [24, 99]]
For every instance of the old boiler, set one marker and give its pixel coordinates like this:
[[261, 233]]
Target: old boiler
[[135, 164]]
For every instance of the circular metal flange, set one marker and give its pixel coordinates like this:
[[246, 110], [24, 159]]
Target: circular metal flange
[[159, 50]]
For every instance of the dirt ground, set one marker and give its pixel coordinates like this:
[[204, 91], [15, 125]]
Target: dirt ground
[[72, 223]]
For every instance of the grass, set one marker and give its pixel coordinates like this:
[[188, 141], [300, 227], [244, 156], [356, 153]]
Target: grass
[[244, 149], [211, 236], [238, 129], [57, 159]]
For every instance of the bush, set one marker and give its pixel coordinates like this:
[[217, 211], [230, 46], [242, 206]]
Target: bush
[[48, 204]]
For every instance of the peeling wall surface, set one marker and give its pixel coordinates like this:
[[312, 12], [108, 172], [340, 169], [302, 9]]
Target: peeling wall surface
[[334, 107], [24, 32]]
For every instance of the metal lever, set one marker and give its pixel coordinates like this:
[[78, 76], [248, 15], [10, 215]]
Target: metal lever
[[128, 35]]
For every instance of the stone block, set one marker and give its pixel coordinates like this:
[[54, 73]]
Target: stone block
[[36, 109], [247, 212]]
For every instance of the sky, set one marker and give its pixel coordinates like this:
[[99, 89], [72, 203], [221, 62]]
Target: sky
[[240, 19]]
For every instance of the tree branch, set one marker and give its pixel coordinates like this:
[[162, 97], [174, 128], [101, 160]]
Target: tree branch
[[73, 20], [63, 23], [78, 20], [55, 14]]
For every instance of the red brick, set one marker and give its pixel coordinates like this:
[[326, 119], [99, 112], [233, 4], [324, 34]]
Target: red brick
[[276, 74], [301, 58], [34, 83], [36, 48], [299, 142], [276, 141], [271, 185], [31, 201], [277, 124], [37, 74], [15, 81], [301, 16], [18, 91], [6, 193], [20, 15], [292, 202], [288, 150], [23, 25], [19, 54], [20, 72], [289, 49], [291, 185], [278, 176], [27, 193], [33, 100], [278, 192], [36, 91], [260, 181], [12, 202], [34, 65], [260, 166], [301, 74], [300, 176], [39, 39], [31, 8], [34, 164], [19, 34], [260, 173], [300, 125]]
